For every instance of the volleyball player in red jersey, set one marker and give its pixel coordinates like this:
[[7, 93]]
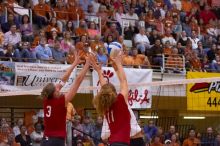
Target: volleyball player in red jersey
[[54, 103], [114, 106]]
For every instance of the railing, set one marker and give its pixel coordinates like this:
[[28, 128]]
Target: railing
[[174, 62]]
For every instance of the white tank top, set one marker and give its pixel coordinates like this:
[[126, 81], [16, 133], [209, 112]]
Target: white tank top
[[135, 128]]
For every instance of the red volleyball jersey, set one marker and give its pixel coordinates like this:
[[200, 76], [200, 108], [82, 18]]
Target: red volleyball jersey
[[118, 118], [55, 117]]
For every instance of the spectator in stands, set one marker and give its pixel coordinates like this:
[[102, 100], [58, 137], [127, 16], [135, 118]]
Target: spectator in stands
[[191, 140], [13, 37], [4, 132], [112, 30], [119, 15], [156, 141], [97, 130], [169, 37], [174, 140], [167, 48], [26, 29], [160, 134], [200, 50], [37, 135], [96, 5], [212, 28], [58, 53], [16, 128], [88, 126], [153, 37], [140, 60], [61, 14], [209, 138], [70, 56], [7, 25], [217, 140], [22, 53], [22, 138], [194, 39], [31, 126], [171, 131], [97, 43], [207, 15], [150, 131], [52, 39], [52, 26], [180, 48], [82, 29], [67, 42], [70, 28], [156, 53], [9, 52], [42, 51], [108, 40], [83, 46], [186, 27], [37, 38], [142, 42], [212, 59], [127, 59], [174, 63], [93, 30], [77, 129], [75, 9], [11, 140], [176, 28], [132, 17], [42, 13], [103, 14], [102, 57], [195, 62], [90, 13]]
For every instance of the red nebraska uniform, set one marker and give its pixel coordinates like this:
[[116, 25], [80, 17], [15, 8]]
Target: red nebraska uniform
[[55, 117], [118, 118]]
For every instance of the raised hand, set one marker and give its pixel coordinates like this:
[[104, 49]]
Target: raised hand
[[77, 58]]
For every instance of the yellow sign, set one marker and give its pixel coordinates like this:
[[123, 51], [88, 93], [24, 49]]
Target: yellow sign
[[203, 96]]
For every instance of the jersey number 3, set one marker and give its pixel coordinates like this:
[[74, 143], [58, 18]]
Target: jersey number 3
[[48, 114]]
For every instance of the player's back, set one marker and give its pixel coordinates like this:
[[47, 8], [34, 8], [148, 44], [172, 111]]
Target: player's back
[[55, 117], [118, 118]]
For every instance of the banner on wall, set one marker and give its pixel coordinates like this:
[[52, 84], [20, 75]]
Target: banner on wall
[[31, 76], [139, 96], [203, 96]]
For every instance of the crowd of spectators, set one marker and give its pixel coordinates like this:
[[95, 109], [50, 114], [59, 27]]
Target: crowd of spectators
[[87, 132], [185, 32]]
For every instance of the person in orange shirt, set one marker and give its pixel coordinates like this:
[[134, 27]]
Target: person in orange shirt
[[70, 56], [82, 29], [11, 140], [127, 59], [75, 12], [186, 6], [140, 59], [168, 20], [174, 61], [42, 13], [167, 50], [4, 132], [36, 41], [97, 44], [191, 140], [70, 112], [156, 141], [150, 19], [61, 14], [53, 26], [82, 47]]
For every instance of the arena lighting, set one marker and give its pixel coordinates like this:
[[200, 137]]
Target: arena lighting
[[196, 118], [149, 117]]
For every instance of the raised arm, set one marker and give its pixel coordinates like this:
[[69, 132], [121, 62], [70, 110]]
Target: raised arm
[[117, 65], [68, 72], [74, 87], [98, 69]]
